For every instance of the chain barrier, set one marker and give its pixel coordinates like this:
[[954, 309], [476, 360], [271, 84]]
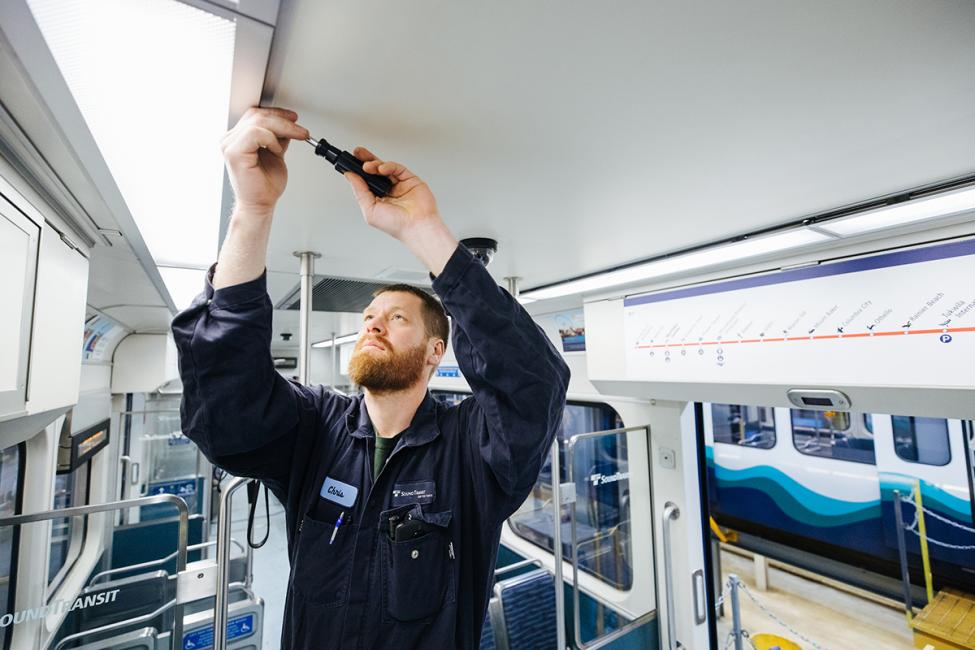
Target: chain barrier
[[912, 527], [935, 515], [720, 601], [744, 588], [730, 640]]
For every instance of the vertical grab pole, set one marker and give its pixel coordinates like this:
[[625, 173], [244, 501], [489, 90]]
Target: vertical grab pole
[[925, 558], [335, 363], [513, 287], [223, 564], [735, 611], [556, 466], [671, 512], [304, 318], [902, 553]]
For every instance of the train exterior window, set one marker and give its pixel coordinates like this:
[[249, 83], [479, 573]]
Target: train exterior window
[[748, 426], [832, 434], [11, 483], [601, 475], [868, 422], [921, 440]]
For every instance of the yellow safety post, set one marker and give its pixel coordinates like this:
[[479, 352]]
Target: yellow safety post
[[925, 558], [717, 531]]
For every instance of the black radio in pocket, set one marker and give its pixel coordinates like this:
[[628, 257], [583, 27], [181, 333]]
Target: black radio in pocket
[[417, 562]]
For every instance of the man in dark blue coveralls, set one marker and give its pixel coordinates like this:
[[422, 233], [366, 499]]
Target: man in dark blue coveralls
[[394, 502]]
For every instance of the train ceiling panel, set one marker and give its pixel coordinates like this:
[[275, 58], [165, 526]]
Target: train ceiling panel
[[336, 294], [582, 138]]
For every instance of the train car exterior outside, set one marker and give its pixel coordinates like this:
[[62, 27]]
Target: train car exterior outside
[[826, 482]]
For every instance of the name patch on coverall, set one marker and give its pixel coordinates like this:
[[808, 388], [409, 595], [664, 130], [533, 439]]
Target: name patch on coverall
[[421, 492], [339, 492]]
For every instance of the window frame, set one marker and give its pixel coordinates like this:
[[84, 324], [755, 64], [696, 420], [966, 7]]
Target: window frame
[[893, 440], [852, 423], [624, 586], [78, 528], [15, 537]]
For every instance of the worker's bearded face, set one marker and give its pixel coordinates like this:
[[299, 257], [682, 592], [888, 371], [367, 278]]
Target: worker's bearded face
[[376, 365]]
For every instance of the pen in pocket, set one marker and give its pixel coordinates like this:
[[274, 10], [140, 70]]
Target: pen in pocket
[[338, 522]]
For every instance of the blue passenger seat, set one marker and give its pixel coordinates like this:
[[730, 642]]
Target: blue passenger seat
[[523, 612]]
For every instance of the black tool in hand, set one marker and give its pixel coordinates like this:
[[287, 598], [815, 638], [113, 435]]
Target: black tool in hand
[[346, 162]]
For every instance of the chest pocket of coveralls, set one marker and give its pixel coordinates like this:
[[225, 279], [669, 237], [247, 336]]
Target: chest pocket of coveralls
[[417, 573], [322, 569]]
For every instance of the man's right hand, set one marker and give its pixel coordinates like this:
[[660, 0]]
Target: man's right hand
[[254, 153]]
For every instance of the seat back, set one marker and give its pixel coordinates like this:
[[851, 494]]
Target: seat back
[[525, 613]]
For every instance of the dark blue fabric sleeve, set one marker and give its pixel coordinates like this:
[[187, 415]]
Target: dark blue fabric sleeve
[[244, 416], [518, 378]]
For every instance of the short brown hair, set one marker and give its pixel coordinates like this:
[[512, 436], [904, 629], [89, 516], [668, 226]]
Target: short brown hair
[[434, 315]]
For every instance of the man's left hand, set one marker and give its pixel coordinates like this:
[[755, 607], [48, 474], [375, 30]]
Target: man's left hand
[[408, 212]]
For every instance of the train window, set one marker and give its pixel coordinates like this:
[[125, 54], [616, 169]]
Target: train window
[[832, 434], [11, 482], [67, 533], [449, 398], [602, 507], [748, 426], [921, 440], [868, 422]]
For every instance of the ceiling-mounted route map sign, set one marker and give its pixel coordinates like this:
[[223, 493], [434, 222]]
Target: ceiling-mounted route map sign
[[905, 318]]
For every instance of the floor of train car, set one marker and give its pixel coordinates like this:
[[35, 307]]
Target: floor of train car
[[831, 618]]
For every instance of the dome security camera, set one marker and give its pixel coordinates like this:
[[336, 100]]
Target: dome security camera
[[482, 248]]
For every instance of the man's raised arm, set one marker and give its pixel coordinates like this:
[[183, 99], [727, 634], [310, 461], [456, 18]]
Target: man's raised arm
[[236, 407], [518, 378]]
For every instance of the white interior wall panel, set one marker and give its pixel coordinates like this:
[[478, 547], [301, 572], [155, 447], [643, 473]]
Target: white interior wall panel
[[59, 324], [143, 363]]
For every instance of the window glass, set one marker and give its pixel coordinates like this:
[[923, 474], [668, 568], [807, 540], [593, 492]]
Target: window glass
[[449, 398], [10, 485], [60, 528], [67, 533], [868, 422], [749, 426], [601, 476], [832, 434], [921, 440]]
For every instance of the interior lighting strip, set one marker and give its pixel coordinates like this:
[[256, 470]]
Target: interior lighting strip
[[871, 218]]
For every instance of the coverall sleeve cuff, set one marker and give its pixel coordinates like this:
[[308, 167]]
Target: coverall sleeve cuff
[[453, 271], [227, 297]]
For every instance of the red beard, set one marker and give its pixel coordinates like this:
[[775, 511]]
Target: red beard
[[386, 371]]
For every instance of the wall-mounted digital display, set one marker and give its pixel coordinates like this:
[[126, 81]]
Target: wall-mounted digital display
[[86, 444]]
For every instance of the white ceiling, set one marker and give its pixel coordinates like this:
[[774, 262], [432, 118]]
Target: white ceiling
[[584, 135]]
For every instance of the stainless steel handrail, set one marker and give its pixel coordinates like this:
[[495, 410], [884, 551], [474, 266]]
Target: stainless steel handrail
[[222, 604], [119, 625], [76, 511], [176, 411], [557, 544], [145, 618], [133, 466], [163, 560], [517, 565], [671, 512], [576, 609]]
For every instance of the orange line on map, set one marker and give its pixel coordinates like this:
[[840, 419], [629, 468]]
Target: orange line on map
[[813, 338]]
